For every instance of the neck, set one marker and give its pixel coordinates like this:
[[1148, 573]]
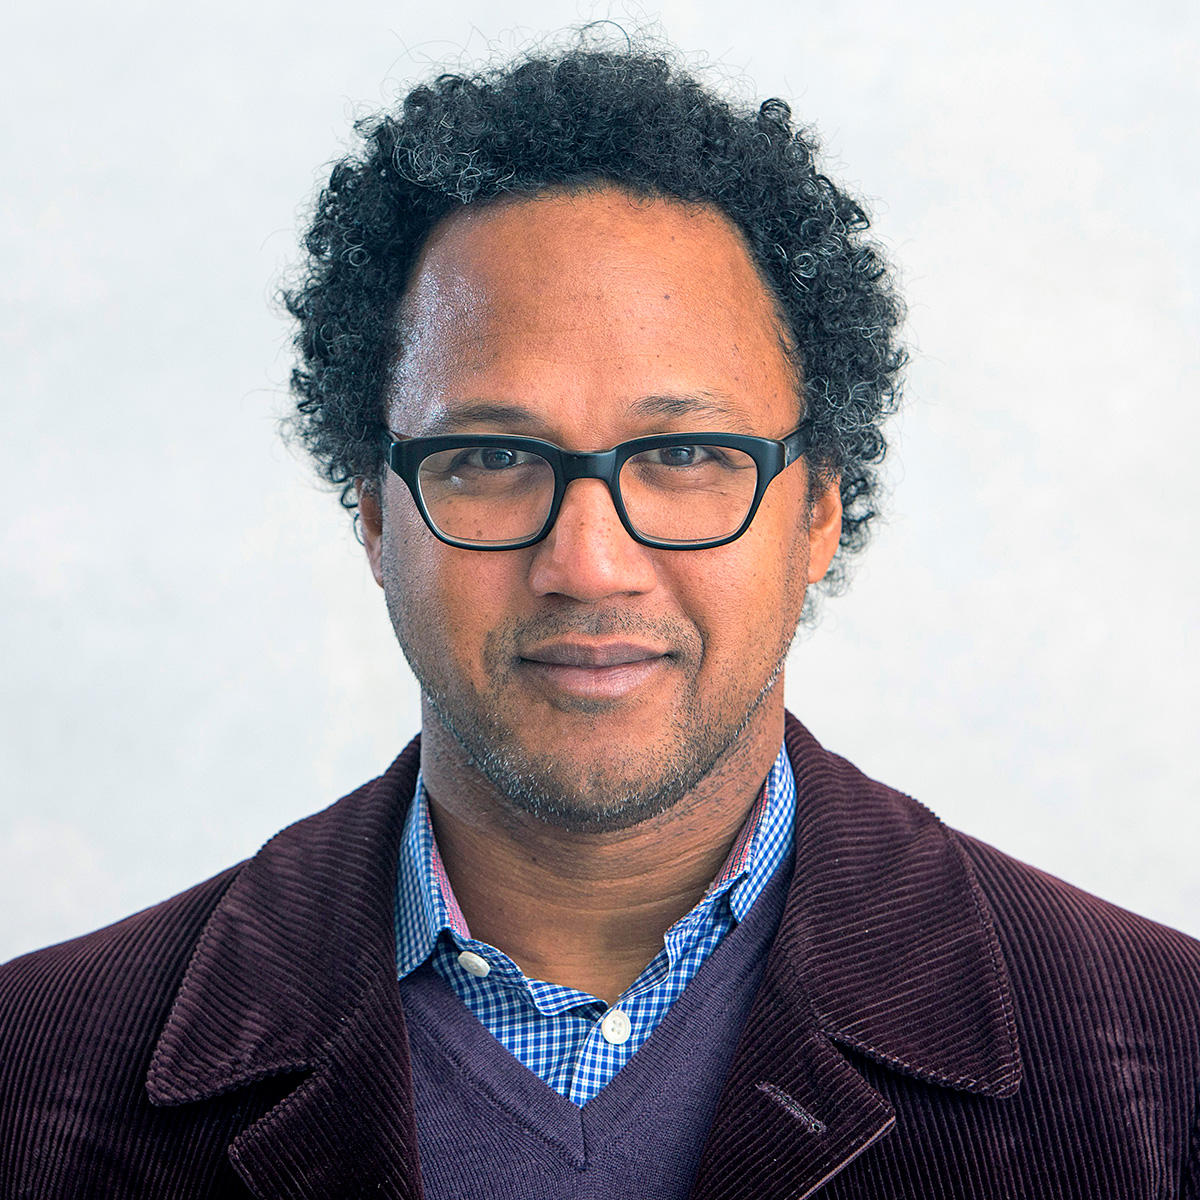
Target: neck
[[587, 910]]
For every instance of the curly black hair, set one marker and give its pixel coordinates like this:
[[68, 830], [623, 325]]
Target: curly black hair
[[574, 118]]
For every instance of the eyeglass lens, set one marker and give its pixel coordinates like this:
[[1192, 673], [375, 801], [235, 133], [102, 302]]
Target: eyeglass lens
[[494, 496]]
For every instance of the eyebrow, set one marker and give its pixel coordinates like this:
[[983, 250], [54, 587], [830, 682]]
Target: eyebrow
[[672, 405], [482, 412], [668, 406]]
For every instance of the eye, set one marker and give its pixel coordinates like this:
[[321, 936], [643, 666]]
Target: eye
[[495, 459], [486, 458], [683, 456]]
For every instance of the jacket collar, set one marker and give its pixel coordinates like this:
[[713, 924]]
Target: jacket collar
[[886, 947], [887, 934], [292, 949]]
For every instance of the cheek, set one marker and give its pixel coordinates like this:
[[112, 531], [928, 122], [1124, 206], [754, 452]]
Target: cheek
[[746, 597], [445, 602]]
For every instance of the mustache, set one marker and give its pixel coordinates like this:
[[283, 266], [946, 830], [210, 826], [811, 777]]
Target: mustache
[[681, 636]]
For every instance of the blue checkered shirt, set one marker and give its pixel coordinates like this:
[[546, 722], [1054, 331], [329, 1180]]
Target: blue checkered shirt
[[559, 1032]]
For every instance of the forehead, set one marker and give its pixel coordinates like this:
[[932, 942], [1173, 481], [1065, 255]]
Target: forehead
[[580, 307]]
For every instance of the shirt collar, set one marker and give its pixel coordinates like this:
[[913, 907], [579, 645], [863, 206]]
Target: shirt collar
[[763, 842], [426, 905], [425, 901]]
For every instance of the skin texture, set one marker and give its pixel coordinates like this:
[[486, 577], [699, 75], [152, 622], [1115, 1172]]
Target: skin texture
[[582, 806]]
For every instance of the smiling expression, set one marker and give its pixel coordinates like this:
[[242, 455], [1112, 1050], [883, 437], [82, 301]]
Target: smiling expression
[[592, 680]]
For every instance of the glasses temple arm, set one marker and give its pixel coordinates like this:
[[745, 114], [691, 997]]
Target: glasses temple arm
[[796, 443]]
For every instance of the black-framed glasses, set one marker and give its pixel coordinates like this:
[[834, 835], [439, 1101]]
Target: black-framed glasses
[[672, 491]]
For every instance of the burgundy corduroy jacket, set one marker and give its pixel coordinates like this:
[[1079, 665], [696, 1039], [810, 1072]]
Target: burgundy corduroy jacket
[[936, 1020]]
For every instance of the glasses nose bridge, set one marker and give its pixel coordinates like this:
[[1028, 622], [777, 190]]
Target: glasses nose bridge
[[598, 465]]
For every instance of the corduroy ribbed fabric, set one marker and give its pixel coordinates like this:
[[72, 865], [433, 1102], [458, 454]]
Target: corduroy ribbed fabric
[[935, 1020]]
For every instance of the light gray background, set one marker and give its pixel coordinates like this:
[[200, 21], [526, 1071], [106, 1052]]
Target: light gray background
[[193, 651]]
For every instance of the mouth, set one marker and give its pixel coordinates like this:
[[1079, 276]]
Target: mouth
[[592, 654], [592, 669]]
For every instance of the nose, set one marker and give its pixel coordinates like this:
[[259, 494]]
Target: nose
[[588, 555]]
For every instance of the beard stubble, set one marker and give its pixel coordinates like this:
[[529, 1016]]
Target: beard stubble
[[627, 788]]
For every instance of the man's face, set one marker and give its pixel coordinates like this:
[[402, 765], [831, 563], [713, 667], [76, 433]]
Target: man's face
[[595, 681]]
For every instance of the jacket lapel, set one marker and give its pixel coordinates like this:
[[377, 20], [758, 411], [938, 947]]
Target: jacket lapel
[[295, 972], [793, 1111], [886, 946], [348, 1130]]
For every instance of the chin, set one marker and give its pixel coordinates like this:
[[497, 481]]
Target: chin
[[601, 755], [598, 784], [583, 798]]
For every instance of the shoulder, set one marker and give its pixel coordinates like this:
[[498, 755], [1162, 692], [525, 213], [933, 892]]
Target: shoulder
[[1052, 930], [127, 964], [110, 987], [114, 987], [82, 1022], [941, 960], [1106, 1005], [1096, 997], [1045, 925], [78, 1025]]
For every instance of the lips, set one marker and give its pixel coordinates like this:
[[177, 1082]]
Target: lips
[[592, 654]]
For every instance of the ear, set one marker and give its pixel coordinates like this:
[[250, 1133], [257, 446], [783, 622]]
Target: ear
[[370, 522], [824, 529]]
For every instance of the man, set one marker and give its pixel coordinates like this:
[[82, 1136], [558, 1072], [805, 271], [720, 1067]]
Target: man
[[601, 361]]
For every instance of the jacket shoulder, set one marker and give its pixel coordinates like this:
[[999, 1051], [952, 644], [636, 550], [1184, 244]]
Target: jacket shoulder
[[1046, 926], [78, 1025], [112, 983], [1132, 980], [122, 979]]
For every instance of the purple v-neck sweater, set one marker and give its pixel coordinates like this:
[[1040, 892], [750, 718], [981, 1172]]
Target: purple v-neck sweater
[[487, 1126]]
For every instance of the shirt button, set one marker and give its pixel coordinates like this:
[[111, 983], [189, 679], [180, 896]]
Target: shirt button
[[615, 1027], [474, 964]]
